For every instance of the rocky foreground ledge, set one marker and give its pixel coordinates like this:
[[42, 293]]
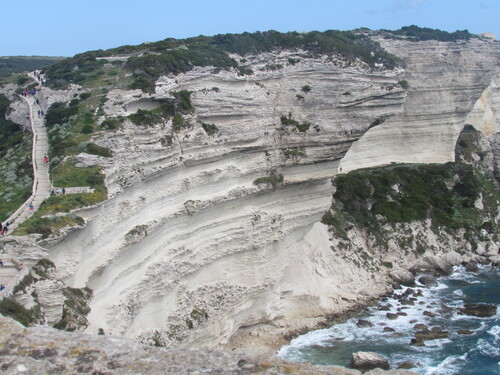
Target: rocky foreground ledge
[[42, 350]]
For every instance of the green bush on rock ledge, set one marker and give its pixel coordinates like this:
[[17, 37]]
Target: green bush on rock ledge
[[273, 180]]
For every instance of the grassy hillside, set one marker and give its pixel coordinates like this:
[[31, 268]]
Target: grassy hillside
[[17, 64]]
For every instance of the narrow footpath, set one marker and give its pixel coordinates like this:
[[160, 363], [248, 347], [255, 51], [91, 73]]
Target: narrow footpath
[[41, 179], [11, 270]]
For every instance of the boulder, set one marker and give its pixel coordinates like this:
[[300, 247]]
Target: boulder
[[365, 361], [431, 335], [389, 329], [392, 316], [407, 365], [421, 327], [403, 277], [465, 332], [472, 267], [478, 309], [430, 314], [361, 323], [427, 280]]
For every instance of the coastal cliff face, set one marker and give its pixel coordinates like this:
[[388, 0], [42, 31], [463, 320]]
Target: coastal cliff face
[[208, 234], [445, 80]]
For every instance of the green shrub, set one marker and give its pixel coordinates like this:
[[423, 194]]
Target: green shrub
[[273, 180], [404, 84], [183, 101], [87, 129], [10, 308], [166, 140], [303, 127], [22, 80], [296, 152], [210, 129], [85, 95], [75, 309], [144, 117], [59, 113], [291, 121], [245, 71], [288, 120], [112, 123], [24, 283], [94, 149], [178, 123], [143, 83]]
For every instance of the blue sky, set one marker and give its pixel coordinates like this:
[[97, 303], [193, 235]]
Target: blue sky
[[64, 28]]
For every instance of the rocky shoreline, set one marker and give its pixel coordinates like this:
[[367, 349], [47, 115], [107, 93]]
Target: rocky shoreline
[[267, 339]]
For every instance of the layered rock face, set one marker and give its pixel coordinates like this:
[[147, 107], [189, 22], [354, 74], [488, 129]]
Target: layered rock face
[[445, 80], [188, 249]]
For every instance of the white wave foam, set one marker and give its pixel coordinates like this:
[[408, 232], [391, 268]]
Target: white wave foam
[[450, 366], [495, 332]]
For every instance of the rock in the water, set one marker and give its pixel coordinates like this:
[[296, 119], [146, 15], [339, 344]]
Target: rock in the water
[[479, 310], [428, 280], [389, 329], [421, 327], [392, 316], [364, 323], [407, 365], [403, 277], [472, 267], [465, 332], [430, 314], [365, 361], [431, 335]]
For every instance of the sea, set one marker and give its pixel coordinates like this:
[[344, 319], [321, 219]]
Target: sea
[[473, 350]]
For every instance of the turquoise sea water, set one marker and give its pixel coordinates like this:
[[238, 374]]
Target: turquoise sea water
[[475, 353]]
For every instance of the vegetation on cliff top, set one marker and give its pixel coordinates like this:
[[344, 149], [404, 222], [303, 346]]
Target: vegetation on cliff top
[[148, 61], [409, 193], [417, 34]]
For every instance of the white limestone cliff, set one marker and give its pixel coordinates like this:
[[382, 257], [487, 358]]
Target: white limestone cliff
[[445, 80], [188, 250]]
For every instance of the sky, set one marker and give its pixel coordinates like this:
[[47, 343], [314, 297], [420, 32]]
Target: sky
[[68, 27]]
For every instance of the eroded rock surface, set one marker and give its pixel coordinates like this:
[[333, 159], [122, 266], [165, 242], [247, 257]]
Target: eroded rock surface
[[41, 350], [189, 249]]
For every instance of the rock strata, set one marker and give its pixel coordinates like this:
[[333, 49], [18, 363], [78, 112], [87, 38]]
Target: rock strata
[[191, 250]]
